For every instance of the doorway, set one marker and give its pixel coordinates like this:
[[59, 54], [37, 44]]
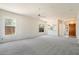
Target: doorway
[[72, 30]]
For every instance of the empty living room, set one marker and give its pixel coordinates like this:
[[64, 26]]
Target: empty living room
[[39, 28]]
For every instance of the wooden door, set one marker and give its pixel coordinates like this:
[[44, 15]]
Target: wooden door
[[72, 30]]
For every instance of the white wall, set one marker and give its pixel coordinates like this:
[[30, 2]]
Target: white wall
[[26, 27], [77, 27], [1, 29]]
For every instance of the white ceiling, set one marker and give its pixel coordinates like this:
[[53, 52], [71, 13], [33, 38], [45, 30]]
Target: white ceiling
[[49, 10]]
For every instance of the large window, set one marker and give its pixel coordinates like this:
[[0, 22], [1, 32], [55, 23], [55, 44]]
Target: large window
[[10, 26]]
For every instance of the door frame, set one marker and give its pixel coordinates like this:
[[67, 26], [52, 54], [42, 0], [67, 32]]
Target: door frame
[[72, 35]]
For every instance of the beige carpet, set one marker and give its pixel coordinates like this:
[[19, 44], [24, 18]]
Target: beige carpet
[[43, 45]]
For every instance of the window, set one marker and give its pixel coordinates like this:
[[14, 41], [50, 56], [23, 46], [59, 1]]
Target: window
[[10, 26]]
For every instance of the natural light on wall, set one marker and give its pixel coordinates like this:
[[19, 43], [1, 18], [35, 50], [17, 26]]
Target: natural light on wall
[[48, 21]]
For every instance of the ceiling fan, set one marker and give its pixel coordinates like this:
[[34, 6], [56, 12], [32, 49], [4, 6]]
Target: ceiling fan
[[39, 14]]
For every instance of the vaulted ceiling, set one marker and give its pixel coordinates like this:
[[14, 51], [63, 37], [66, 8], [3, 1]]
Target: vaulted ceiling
[[48, 10]]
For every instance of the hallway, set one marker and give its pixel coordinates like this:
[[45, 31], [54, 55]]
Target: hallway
[[43, 45]]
